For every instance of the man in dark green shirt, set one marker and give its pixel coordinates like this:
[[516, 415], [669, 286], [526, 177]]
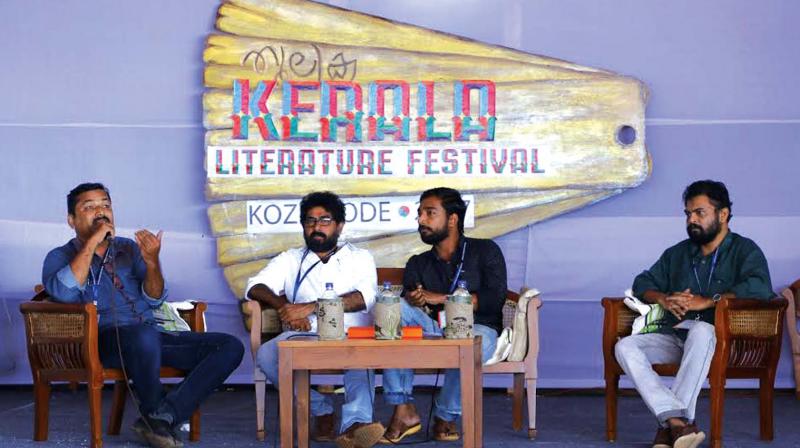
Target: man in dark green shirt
[[687, 281]]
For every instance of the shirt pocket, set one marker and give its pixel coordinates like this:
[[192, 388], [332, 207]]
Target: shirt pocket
[[721, 283]]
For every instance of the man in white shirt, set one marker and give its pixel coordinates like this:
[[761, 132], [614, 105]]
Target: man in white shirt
[[291, 284]]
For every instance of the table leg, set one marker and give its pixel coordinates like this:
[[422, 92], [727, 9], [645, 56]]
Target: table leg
[[466, 361], [286, 394], [478, 384], [301, 385]]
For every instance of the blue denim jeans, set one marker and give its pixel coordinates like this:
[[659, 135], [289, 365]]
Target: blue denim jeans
[[398, 384], [208, 357], [359, 385], [637, 353]]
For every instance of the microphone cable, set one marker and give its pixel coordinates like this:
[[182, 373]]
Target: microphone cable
[[113, 277]]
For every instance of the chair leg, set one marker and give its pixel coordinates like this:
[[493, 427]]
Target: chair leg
[[117, 408], [95, 395], [717, 407], [530, 384], [796, 362], [41, 405], [516, 401], [194, 426], [260, 398], [612, 385], [766, 395]]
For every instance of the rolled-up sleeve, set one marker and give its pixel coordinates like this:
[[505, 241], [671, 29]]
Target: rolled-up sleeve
[[273, 275], [58, 279]]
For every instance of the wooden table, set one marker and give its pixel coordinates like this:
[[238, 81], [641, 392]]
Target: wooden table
[[299, 356]]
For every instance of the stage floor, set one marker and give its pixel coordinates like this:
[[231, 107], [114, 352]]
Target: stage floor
[[567, 418]]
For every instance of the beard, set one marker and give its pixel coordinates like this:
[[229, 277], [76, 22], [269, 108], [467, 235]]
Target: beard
[[701, 236], [433, 236], [325, 244]]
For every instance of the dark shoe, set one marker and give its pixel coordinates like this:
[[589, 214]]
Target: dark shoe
[[445, 431], [324, 430], [663, 438], [156, 432], [687, 437], [360, 435]]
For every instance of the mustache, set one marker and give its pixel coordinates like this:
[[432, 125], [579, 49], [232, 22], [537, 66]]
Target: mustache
[[319, 234], [101, 218], [421, 228], [693, 226]]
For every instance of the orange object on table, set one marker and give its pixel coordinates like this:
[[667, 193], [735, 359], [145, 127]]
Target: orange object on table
[[413, 332]]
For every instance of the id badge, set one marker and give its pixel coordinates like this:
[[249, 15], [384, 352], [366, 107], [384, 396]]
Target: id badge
[[442, 319]]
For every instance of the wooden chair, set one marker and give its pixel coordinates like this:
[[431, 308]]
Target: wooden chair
[[792, 295], [524, 372], [62, 346], [749, 334]]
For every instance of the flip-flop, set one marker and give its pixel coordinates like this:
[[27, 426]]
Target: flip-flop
[[451, 434], [362, 437], [411, 430]]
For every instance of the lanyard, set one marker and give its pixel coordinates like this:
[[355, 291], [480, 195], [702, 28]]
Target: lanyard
[[710, 273], [298, 280], [460, 268], [95, 281]]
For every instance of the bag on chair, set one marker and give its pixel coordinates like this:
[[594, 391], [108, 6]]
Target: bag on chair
[[519, 335]]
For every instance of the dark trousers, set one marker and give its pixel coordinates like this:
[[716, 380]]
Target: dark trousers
[[207, 357]]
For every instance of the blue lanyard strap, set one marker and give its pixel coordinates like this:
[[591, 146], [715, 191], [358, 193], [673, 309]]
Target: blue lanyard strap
[[298, 280], [460, 268], [710, 273]]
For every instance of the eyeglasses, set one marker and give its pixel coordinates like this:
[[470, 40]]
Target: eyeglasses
[[325, 221]]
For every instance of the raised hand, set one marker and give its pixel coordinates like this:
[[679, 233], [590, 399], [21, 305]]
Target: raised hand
[[149, 245]]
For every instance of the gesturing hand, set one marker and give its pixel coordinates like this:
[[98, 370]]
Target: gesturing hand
[[149, 245]]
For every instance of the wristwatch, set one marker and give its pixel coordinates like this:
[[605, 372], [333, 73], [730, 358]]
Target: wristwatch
[[716, 298]]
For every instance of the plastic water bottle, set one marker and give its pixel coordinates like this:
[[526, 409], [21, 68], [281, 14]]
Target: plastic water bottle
[[458, 312], [386, 313], [330, 315]]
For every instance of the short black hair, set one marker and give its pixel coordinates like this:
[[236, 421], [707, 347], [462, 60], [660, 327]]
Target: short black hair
[[72, 197], [716, 191], [451, 202], [325, 199]]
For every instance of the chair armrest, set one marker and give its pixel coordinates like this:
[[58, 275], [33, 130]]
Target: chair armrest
[[254, 308], [532, 315], [749, 332], [61, 336], [195, 317]]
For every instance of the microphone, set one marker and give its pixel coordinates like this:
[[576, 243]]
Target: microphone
[[109, 237]]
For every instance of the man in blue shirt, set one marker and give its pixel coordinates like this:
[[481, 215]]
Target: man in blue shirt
[[124, 279]]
